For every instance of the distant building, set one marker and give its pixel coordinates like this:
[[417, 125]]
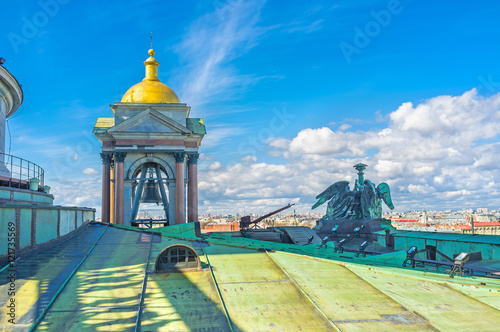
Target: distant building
[[484, 218], [453, 219], [487, 228], [223, 227]]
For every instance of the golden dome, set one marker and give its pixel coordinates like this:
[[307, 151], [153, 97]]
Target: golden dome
[[151, 90]]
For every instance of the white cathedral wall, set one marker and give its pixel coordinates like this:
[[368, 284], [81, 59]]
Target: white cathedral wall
[[3, 111]]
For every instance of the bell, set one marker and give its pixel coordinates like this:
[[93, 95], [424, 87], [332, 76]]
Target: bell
[[151, 193]]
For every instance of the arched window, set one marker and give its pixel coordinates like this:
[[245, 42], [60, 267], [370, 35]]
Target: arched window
[[177, 257]]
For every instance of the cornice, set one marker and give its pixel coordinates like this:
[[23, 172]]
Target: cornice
[[11, 85]]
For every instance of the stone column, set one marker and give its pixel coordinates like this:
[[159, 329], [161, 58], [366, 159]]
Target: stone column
[[172, 202], [119, 188], [112, 194], [105, 205], [180, 215], [193, 187]]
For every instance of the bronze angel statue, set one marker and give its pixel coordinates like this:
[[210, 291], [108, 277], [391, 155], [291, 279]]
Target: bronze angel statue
[[363, 202]]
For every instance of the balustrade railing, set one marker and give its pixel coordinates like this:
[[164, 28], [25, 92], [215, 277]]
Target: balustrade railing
[[17, 172]]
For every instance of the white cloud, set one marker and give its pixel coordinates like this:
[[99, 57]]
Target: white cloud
[[79, 192], [247, 160], [318, 141], [389, 169], [467, 117], [440, 153], [456, 193], [419, 189], [90, 171], [280, 143], [304, 26], [345, 127], [215, 166]]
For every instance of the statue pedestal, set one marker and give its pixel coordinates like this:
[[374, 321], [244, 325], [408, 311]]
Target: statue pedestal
[[346, 226]]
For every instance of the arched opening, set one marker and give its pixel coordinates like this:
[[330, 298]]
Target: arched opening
[[177, 257], [150, 195]]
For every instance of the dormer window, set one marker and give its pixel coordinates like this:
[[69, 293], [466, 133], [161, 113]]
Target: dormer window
[[177, 257]]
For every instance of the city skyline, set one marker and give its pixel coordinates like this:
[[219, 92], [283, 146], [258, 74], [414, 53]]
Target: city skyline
[[293, 95]]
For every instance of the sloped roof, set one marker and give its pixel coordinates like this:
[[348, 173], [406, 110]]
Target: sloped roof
[[106, 281]]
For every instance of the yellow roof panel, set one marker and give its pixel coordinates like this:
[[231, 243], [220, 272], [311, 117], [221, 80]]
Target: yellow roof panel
[[105, 122]]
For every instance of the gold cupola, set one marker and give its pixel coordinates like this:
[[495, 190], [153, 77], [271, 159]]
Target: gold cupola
[[151, 90]]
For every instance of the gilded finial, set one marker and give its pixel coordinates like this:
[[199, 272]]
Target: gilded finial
[[151, 65], [151, 90], [151, 52]]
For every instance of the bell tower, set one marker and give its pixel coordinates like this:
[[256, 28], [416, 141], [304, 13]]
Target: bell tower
[[152, 144]]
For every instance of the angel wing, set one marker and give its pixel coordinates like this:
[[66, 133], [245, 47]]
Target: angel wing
[[330, 192], [385, 193]]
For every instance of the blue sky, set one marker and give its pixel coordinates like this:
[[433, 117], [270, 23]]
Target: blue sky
[[293, 94]]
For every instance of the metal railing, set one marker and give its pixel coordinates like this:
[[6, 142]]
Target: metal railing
[[17, 172]]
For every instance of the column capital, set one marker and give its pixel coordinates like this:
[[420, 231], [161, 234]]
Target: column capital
[[193, 158], [106, 157], [179, 157], [120, 157]]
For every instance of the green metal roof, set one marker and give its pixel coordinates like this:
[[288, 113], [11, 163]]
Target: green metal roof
[[106, 282], [476, 238], [490, 239]]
